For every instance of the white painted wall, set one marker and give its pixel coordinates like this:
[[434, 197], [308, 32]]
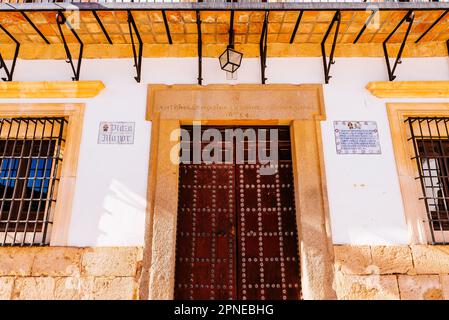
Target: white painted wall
[[109, 206]]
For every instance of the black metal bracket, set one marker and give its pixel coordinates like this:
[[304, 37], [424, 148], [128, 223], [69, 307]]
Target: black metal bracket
[[263, 48], [200, 48], [34, 27], [432, 25], [327, 64], [409, 17], [9, 72], [167, 27], [368, 21], [231, 31], [103, 29], [61, 20], [295, 29], [137, 54]]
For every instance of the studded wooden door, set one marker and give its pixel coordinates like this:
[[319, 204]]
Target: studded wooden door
[[236, 229]]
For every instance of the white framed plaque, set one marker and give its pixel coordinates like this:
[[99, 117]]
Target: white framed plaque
[[356, 137], [116, 132]]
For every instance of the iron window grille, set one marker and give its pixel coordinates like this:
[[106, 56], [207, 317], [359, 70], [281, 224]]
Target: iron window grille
[[430, 138], [31, 151]]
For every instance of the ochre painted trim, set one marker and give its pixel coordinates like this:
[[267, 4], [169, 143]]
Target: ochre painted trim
[[406, 167], [299, 106], [50, 89], [249, 50], [409, 89], [74, 113]]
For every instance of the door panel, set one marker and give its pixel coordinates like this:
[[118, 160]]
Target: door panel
[[236, 231]]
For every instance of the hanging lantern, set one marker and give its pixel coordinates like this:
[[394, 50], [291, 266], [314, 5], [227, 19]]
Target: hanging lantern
[[231, 59]]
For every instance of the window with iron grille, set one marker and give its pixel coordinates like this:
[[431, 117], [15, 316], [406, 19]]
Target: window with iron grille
[[31, 152], [430, 138]]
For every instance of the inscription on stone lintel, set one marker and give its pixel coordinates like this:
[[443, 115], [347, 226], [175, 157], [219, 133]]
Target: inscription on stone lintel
[[247, 111]]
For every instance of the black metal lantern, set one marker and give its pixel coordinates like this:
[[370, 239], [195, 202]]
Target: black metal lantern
[[231, 59]]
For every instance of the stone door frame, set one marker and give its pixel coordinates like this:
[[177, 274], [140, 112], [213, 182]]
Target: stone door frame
[[299, 106]]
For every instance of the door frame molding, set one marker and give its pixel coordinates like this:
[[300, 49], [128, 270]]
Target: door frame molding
[[299, 106]]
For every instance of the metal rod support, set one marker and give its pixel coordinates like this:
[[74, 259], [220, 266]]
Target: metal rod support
[[136, 54], [61, 20], [432, 25], [327, 64], [298, 21], [368, 21], [409, 17], [106, 34], [9, 72], [263, 48], [167, 27], [34, 27], [200, 48]]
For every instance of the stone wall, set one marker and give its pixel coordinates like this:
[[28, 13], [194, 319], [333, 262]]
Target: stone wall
[[392, 272], [361, 272], [70, 273]]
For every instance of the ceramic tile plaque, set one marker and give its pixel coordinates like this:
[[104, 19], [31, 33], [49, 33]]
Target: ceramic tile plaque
[[356, 137], [116, 133]]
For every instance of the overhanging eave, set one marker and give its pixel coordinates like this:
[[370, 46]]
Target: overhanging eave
[[222, 6]]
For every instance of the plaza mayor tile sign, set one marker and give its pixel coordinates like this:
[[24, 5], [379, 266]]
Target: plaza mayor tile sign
[[116, 133], [356, 137]]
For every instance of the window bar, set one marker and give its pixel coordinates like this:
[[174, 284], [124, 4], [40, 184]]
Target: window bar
[[41, 186], [431, 147], [438, 171], [429, 213], [52, 176], [44, 124], [33, 184], [8, 181], [24, 182], [444, 181], [22, 167], [420, 172]]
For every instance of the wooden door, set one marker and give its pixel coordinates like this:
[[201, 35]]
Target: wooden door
[[236, 230]]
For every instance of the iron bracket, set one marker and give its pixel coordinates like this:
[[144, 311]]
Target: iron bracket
[[327, 64], [263, 48], [200, 48], [136, 54], [9, 72], [61, 20], [409, 17]]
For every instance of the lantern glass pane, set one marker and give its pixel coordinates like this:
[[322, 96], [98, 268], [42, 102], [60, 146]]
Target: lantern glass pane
[[223, 59], [235, 57], [229, 67]]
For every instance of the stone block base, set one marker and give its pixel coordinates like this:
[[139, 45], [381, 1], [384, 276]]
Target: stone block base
[[392, 272], [70, 273]]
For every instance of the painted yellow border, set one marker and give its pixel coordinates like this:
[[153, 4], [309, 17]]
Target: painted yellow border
[[409, 89], [74, 114], [407, 170], [50, 89]]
